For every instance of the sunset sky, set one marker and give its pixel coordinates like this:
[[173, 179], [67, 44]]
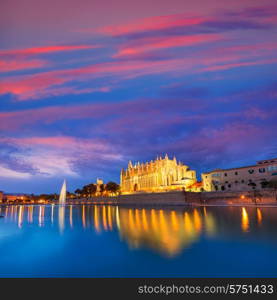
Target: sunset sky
[[86, 86]]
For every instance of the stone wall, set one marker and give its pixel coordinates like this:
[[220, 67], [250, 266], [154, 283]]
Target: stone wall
[[181, 198]]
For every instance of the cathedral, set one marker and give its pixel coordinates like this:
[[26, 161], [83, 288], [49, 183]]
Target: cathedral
[[163, 174]]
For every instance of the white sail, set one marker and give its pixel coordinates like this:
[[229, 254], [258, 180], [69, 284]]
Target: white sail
[[63, 193]]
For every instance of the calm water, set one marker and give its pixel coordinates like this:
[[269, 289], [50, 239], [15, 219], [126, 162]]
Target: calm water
[[108, 241]]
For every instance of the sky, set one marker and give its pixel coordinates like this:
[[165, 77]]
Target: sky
[[86, 86]]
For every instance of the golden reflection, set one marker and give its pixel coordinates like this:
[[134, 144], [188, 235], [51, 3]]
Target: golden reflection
[[131, 219], [188, 225], [144, 220], [84, 216], [244, 220], [110, 222], [154, 221], [104, 218], [209, 222], [197, 220], [259, 216], [165, 231], [174, 221], [96, 219], [117, 218]]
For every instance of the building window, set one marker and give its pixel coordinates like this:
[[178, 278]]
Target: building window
[[262, 170], [251, 171], [229, 185], [236, 173], [272, 168], [216, 175], [225, 174], [250, 180], [242, 181], [236, 182], [216, 187], [226, 181], [223, 188]]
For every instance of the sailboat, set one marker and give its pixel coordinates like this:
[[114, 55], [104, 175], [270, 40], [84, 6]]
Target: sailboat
[[62, 198]]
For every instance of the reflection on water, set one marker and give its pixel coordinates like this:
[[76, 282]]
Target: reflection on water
[[259, 216], [167, 231], [244, 220]]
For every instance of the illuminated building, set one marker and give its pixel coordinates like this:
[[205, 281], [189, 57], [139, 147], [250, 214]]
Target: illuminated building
[[242, 178], [163, 174], [16, 197]]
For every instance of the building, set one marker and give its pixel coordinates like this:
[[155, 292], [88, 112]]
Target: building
[[100, 187], [242, 178], [163, 174], [10, 198], [1, 196]]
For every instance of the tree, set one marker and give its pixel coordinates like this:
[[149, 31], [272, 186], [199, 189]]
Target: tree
[[78, 192], [112, 187], [89, 190]]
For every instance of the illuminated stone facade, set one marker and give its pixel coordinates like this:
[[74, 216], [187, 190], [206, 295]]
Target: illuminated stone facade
[[242, 178], [163, 174]]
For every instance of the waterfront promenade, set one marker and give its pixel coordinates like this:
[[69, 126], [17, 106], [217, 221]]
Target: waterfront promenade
[[180, 198]]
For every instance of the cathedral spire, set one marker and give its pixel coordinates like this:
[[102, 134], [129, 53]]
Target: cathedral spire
[[130, 165]]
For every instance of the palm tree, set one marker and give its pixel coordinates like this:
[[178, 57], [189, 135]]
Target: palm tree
[[112, 187], [78, 192]]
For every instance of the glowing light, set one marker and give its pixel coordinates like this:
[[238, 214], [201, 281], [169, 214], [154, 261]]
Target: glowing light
[[154, 221], [244, 220], [259, 216], [104, 218], [209, 224], [174, 220], [96, 219], [110, 222], [144, 220], [137, 218], [83, 216], [117, 217], [131, 219], [197, 220]]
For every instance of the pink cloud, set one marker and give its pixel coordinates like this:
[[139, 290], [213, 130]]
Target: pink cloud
[[45, 49], [19, 59], [15, 65], [150, 44], [58, 155], [238, 65], [34, 86], [152, 24]]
